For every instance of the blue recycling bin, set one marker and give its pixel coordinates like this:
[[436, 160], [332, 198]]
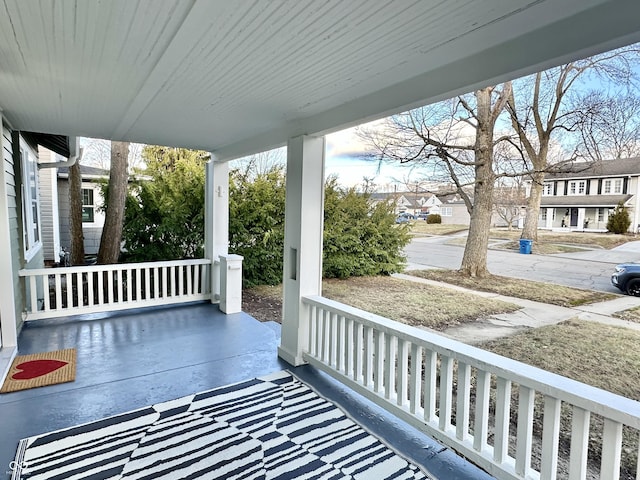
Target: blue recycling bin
[[525, 246]]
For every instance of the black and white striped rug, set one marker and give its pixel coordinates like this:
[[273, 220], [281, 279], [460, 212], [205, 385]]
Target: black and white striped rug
[[273, 427]]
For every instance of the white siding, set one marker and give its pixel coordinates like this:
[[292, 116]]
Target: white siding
[[49, 206]]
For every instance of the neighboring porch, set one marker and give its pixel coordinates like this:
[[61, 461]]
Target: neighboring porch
[[140, 357]]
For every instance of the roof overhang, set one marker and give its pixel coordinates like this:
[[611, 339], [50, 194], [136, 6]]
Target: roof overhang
[[239, 77], [588, 201]]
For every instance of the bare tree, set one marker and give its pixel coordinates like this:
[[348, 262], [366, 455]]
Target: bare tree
[[75, 215], [610, 127], [111, 238], [541, 110], [456, 139], [509, 197], [261, 163]]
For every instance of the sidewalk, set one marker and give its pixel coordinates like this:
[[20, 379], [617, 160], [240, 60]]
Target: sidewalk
[[531, 315]]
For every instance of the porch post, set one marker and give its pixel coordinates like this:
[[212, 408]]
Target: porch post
[[304, 210], [216, 230], [8, 320]]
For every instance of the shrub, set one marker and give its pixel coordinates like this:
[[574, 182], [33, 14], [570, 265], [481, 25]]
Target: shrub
[[619, 220], [434, 218]]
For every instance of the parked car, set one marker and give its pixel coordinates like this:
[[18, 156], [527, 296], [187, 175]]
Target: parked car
[[422, 216], [627, 278], [402, 219]]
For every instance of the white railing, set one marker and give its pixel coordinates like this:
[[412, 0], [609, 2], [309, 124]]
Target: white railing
[[514, 420], [57, 292]]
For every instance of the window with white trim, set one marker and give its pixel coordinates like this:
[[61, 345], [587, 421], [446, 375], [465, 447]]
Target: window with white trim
[[543, 214], [30, 201], [606, 187], [601, 214], [547, 189], [88, 207], [446, 211], [577, 187], [617, 185]]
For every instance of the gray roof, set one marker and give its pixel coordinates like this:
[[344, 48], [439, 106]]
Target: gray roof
[[85, 171], [619, 167], [584, 200]]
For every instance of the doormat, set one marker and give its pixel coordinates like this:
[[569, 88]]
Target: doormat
[[40, 369], [273, 427]]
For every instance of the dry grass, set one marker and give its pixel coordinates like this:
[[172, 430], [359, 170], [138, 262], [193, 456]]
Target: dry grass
[[600, 355], [513, 287], [632, 314], [592, 240], [420, 227], [404, 301]]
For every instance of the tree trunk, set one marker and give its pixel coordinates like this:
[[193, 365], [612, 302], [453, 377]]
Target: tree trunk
[[75, 215], [530, 230], [474, 259], [109, 251]]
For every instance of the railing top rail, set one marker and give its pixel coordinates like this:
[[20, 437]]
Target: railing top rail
[[602, 402], [111, 267]]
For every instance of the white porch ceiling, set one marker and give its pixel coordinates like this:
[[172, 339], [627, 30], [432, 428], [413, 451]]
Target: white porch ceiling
[[239, 76]]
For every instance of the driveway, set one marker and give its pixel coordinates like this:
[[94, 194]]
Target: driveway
[[590, 269]]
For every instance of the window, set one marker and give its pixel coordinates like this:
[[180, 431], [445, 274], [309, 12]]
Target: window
[[606, 187], [30, 201], [617, 186], [577, 187], [547, 189], [87, 205], [446, 211], [543, 214], [601, 214]]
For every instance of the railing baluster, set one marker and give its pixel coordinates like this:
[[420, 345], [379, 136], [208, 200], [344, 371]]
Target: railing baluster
[[33, 291], [100, 288], [390, 367], [446, 385], [503, 409], [181, 274], [481, 420], [333, 328], [430, 385], [313, 330], [415, 386], [190, 273], [403, 373], [463, 400], [349, 347], [164, 282], [550, 438], [90, 289], [611, 450], [359, 352], [342, 347], [138, 289], [69, 279], [129, 283], [147, 283], [368, 356], [156, 283], [326, 335], [79, 289], [112, 289], [378, 365], [524, 442], [58, 289]]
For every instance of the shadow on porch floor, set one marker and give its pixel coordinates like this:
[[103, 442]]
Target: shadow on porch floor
[[134, 359]]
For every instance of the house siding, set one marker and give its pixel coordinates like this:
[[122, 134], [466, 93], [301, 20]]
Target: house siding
[[49, 207]]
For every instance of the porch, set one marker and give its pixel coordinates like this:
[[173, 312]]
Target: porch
[[128, 360]]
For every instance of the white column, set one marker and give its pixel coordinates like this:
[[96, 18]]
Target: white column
[[549, 218], [302, 241], [231, 283], [216, 230]]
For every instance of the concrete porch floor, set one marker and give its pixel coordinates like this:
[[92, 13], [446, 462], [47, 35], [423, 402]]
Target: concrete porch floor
[[130, 360]]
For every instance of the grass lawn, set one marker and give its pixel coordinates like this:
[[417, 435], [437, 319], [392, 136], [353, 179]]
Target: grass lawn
[[420, 227], [401, 300], [514, 287], [632, 314]]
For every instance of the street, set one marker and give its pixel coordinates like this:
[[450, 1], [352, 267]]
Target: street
[[574, 270]]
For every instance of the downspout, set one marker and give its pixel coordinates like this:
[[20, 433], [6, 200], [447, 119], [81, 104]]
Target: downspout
[[75, 156]]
